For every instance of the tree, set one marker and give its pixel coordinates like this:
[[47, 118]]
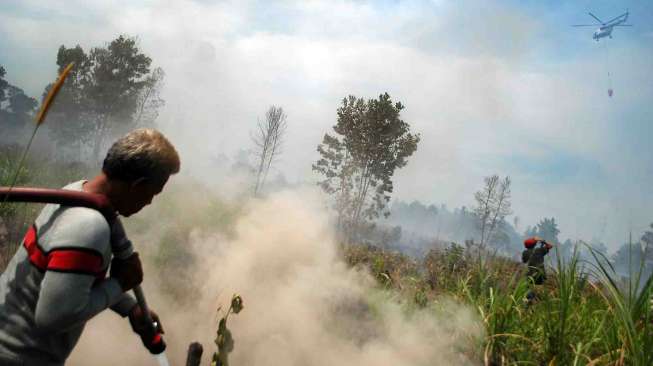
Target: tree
[[647, 241], [20, 104], [16, 108], [338, 169], [629, 258], [500, 209], [485, 201], [268, 140], [566, 249], [501, 237], [3, 84], [110, 90], [546, 229], [150, 100], [69, 120], [492, 207], [516, 222], [371, 141]]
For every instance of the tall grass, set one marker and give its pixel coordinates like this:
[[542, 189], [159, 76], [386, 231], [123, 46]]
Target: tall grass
[[628, 338], [38, 171], [582, 315]]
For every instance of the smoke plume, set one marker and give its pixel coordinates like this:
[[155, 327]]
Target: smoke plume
[[303, 304]]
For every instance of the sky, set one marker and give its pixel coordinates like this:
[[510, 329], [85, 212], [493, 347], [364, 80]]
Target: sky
[[505, 87]]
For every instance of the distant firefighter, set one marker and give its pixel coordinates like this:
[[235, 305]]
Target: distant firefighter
[[533, 256]]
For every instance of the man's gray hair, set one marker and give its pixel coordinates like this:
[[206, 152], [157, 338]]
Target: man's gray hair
[[142, 153]]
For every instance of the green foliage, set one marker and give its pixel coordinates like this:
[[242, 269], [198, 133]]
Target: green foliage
[[16, 109], [224, 339], [371, 141], [577, 318], [492, 207], [421, 297], [109, 91], [560, 309], [209, 211], [391, 269], [183, 208], [647, 240], [3, 84], [546, 229], [378, 266], [628, 337], [9, 156], [39, 170], [454, 256], [445, 269]]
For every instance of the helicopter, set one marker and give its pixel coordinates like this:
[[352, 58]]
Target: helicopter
[[605, 28]]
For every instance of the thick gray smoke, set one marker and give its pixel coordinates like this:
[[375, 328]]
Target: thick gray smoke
[[303, 305]]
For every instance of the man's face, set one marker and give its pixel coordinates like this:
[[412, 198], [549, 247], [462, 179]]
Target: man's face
[[138, 195]]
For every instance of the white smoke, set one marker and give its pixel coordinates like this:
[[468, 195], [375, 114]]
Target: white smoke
[[303, 304]]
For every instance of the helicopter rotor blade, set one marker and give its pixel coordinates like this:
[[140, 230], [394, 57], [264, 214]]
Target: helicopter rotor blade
[[619, 17], [585, 25], [594, 16], [623, 25]]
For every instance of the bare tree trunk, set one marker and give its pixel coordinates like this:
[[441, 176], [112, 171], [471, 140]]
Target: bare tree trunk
[[278, 129], [268, 142], [99, 139], [497, 210], [502, 207], [262, 156], [485, 199], [361, 197], [141, 108], [344, 197]]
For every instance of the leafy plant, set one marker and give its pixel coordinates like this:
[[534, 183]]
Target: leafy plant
[[224, 340]]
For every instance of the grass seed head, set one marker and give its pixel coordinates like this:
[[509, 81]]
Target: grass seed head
[[40, 117]]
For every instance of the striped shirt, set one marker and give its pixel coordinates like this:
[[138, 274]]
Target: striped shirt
[[55, 283]]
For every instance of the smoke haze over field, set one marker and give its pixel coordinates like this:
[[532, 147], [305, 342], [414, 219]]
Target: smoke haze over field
[[506, 88], [303, 305]]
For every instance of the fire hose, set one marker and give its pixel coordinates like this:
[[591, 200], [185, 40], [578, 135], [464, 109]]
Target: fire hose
[[93, 201]]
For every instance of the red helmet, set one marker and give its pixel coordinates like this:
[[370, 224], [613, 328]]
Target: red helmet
[[531, 242]]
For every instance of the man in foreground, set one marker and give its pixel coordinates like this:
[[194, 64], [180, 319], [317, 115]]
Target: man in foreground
[[57, 280]]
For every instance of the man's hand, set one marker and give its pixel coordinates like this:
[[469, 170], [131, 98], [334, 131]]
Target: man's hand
[[150, 336], [128, 272]]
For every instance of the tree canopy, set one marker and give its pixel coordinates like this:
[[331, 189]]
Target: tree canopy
[[358, 162], [546, 229], [109, 91], [492, 206], [16, 108]]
